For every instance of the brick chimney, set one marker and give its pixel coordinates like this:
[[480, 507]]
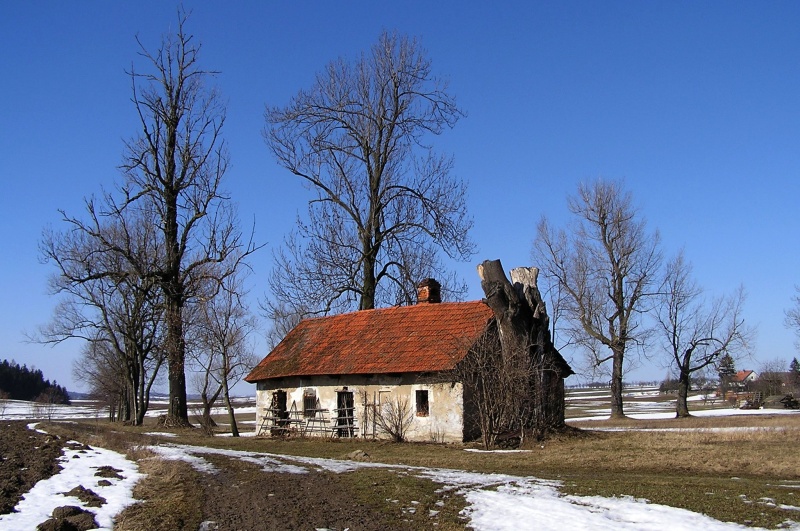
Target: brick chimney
[[429, 292]]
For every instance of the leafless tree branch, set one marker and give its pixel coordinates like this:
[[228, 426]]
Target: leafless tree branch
[[385, 206]]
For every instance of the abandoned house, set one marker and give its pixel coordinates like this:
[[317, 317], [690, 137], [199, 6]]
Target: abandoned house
[[333, 375]]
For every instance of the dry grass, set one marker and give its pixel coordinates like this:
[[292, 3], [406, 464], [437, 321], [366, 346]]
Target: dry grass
[[168, 499], [746, 445], [731, 468], [757, 447]]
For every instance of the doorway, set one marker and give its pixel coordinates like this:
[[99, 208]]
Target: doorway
[[345, 414]]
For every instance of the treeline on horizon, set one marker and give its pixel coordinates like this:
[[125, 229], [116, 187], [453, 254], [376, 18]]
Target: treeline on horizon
[[21, 383]]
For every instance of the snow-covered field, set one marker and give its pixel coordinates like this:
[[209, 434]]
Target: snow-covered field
[[647, 403], [494, 501], [87, 409]]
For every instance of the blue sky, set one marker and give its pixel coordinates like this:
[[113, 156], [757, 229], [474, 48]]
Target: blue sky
[[695, 104]]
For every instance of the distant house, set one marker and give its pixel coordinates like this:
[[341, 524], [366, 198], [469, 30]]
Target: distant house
[[330, 375], [742, 379]]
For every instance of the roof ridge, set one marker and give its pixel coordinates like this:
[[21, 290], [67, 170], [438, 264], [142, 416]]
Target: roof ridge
[[393, 308]]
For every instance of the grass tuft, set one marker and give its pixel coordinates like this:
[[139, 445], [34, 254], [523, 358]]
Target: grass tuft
[[168, 499]]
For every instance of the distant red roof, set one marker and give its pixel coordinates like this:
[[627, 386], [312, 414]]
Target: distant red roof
[[421, 338], [742, 376]]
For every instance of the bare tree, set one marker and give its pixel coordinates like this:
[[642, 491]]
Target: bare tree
[[532, 368], [792, 315], [172, 172], [110, 303], [384, 204], [773, 377], [177, 164], [103, 370], [46, 403], [223, 350], [607, 266], [696, 333], [395, 418]]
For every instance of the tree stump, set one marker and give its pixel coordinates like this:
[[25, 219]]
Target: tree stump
[[532, 367]]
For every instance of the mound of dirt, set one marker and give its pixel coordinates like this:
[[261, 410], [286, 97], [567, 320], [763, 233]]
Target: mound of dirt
[[87, 496], [68, 518]]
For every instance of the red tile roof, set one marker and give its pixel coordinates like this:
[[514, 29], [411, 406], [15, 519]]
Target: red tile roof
[[422, 338]]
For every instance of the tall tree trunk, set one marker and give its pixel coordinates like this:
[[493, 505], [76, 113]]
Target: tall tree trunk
[[140, 403], [369, 283], [682, 407], [173, 288], [617, 411], [231, 416], [130, 402], [178, 413]]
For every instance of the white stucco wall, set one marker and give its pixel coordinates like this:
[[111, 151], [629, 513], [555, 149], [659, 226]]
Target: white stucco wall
[[444, 422]]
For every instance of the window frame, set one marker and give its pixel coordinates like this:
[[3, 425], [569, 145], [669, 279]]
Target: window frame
[[422, 403], [309, 412]]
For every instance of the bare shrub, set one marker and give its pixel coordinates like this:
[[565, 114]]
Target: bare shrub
[[203, 417], [436, 434], [4, 396], [45, 404], [511, 395], [491, 389], [394, 418], [207, 425]]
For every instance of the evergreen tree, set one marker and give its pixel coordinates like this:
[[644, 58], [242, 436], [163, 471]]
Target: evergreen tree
[[794, 373], [22, 383], [726, 371]]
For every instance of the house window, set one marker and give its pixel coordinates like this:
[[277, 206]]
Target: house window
[[422, 404], [309, 403]]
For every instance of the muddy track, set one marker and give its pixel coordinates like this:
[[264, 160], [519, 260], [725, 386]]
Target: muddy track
[[242, 496]]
